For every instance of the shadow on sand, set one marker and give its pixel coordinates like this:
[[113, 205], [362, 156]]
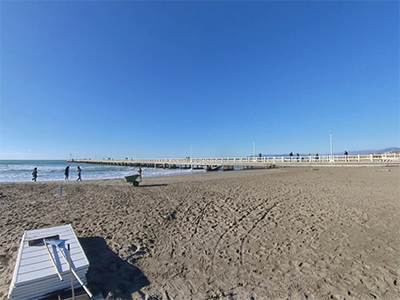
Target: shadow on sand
[[108, 273], [147, 185]]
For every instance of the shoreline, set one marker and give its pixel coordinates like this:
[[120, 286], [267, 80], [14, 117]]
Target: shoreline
[[151, 178], [151, 173], [327, 233]]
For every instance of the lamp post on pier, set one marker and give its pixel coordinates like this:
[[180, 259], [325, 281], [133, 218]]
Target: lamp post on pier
[[254, 149], [191, 156], [330, 139]]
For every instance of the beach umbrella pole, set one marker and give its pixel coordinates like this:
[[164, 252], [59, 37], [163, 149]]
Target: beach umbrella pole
[[52, 260], [70, 271]]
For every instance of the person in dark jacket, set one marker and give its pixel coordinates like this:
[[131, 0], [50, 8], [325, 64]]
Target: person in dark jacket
[[79, 170], [34, 174], [66, 173]]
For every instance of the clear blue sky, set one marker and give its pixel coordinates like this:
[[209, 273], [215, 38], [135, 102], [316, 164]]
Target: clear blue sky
[[155, 79]]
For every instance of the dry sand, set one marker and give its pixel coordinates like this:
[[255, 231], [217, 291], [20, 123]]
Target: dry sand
[[299, 233]]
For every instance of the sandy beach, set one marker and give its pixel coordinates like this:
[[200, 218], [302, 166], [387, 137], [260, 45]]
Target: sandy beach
[[291, 233]]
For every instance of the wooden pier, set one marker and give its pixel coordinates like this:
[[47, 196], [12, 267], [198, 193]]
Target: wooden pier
[[249, 162]]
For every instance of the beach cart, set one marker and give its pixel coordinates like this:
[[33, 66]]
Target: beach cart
[[132, 179]]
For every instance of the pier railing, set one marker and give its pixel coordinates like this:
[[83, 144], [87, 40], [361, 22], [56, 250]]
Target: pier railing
[[385, 158]]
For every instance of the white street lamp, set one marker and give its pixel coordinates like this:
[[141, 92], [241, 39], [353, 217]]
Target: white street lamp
[[330, 138], [191, 156]]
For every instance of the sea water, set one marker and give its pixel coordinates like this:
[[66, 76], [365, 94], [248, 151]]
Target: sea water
[[53, 170]]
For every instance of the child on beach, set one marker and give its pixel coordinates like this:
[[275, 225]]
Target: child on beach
[[34, 174], [140, 173]]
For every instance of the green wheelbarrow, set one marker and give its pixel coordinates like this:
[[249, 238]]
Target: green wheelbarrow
[[132, 179]]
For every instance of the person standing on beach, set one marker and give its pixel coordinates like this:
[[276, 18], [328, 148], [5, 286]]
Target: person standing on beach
[[79, 170], [34, 174], [140, 173], [66, 173]]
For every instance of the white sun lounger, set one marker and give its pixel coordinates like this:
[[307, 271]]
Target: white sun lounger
[[36, 272]]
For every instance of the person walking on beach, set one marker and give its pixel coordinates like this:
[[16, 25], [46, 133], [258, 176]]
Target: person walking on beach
[[140, 173], [79, 170], [346, 156], [66, 173], [34, 174]]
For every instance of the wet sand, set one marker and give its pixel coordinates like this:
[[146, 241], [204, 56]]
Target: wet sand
[[293, 233]]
